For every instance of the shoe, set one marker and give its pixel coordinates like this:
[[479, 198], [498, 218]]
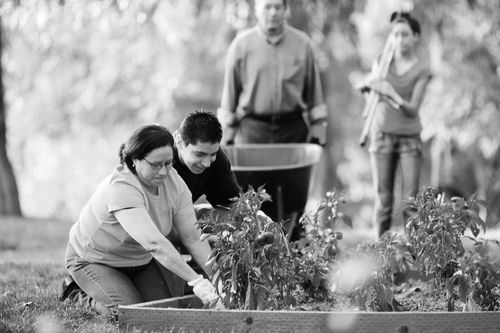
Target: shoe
[[68, 287], [73, 292]]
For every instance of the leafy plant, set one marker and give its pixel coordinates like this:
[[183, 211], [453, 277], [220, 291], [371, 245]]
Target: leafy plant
[[367, 275], [477, 280], [435, 232], [320, 247], [253, 265]]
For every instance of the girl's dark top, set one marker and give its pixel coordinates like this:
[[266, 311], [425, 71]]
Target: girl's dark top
[[392, 121], [218, 182]]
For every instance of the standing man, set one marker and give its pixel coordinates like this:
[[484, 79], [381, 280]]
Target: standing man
[[272, 90]]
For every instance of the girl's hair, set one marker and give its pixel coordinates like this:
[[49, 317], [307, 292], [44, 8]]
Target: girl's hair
[[405, 17], [144, 140]]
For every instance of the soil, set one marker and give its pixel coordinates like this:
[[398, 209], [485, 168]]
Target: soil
[[410, 296]]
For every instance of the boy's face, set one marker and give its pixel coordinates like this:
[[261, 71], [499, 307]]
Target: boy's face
[[198, 157]]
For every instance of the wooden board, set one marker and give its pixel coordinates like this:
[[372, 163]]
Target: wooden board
[[159, 316]]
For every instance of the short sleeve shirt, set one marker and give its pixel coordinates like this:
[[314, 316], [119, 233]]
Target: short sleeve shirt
[[392, 121], [98, 237]]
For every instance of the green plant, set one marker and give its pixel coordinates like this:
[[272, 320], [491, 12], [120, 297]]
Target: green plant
[[367, 274], [476, 280], [253, 265], [319, 248], [436, 229], [435, 232]]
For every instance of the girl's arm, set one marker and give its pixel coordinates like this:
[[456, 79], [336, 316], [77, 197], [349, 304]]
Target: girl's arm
[[409, 108]]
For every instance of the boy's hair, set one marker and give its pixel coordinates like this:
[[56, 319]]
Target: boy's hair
[[200, 126]]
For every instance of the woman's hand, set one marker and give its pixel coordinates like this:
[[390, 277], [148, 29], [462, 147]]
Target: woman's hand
[[205, 291]]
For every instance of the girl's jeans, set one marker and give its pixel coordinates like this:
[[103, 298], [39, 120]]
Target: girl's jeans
[[386, 151], [112, 286]]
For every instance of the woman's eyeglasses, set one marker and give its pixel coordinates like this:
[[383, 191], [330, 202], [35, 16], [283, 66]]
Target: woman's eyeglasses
[[158, 165]]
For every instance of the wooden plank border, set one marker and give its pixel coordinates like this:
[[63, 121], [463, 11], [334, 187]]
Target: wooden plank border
[[158, 316]]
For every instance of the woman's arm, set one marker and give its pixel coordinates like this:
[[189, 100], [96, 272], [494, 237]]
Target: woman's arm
[[138, 224], [189, 235]]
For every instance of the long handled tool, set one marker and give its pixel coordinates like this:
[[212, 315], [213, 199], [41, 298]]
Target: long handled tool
[[373, 98]]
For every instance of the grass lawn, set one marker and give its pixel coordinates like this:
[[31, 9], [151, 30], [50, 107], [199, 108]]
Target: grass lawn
[[31, 271]]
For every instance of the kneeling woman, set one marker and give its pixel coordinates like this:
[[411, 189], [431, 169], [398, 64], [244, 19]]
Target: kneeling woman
[[122, 229]]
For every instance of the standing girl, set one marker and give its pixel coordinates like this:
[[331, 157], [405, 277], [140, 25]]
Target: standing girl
[[395, 131]]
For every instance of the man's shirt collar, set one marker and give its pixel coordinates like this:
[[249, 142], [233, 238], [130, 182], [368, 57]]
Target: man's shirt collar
[[273, 40]]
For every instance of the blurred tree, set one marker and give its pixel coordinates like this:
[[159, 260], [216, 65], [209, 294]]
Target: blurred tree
[[88, 72], [329, 24], [9, 198], [465, 55], [80, 75]]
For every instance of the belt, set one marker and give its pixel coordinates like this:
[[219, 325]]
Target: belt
[[276, 117], [401, 136]]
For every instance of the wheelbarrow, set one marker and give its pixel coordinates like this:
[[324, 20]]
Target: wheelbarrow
[[284, 169]]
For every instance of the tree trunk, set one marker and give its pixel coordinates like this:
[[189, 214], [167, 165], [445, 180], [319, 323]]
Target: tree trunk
[[9, 198]]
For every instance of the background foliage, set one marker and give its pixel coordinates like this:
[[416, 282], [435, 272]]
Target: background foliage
[[79, 76]]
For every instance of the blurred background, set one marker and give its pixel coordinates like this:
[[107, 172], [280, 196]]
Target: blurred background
[[78, 76]]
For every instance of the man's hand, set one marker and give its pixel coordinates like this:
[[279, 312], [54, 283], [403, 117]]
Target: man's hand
[[319, 133], [202, 210], [228, 136]]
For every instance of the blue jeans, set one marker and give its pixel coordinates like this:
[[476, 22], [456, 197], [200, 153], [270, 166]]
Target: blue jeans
[[386, 152], [109, 286]]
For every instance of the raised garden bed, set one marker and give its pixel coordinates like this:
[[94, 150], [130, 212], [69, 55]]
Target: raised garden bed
[[257, 276], [166, 316]]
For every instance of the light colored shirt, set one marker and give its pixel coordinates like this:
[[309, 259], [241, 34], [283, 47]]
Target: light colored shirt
[[391, 121], [262, 77], [98, 237]]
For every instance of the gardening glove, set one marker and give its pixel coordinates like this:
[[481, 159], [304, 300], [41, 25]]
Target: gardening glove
[[217, 305], [205, 291]]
